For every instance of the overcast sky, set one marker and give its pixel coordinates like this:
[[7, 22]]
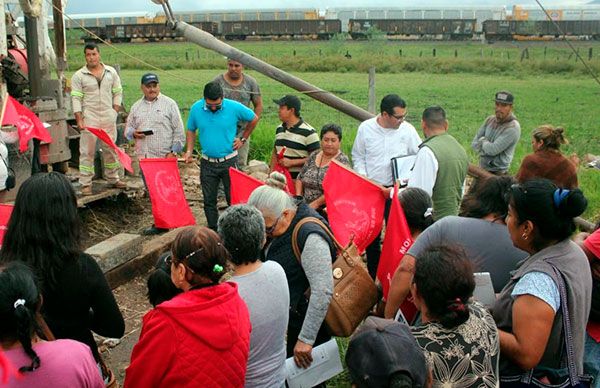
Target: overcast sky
[[107, 6]]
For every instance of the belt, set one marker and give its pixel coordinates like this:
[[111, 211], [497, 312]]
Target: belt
[[220, 160]]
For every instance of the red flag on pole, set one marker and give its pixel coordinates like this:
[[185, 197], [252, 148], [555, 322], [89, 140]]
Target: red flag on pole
[[169, 206], [28, 124], [5, 213], [355, 206], [242, 185], [123, 157], [395, 244], [291, 188]]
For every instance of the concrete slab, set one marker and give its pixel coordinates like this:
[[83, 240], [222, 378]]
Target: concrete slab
[[116, 250]]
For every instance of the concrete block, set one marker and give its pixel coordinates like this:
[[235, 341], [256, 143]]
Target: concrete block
[[116, 250]]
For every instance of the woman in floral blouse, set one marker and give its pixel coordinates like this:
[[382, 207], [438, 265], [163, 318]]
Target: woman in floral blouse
[[458, 336], [309, 183]]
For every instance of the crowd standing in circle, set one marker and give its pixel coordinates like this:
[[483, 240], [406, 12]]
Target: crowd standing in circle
[[230, 307]]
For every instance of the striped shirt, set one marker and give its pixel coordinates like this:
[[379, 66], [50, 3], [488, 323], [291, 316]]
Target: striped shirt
[[299, 141], [162, 116]]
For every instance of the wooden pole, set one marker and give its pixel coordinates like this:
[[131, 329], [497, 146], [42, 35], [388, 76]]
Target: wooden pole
[[372, 97], [206, 40]]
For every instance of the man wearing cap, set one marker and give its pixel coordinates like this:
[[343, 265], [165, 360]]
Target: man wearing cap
[[496, 140], [244, 89], [215, 120], [154, 122], [377, 142], [384, 353], [295, 135], [96, 94]]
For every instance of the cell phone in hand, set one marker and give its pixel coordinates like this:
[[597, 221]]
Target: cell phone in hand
[[147, 132]]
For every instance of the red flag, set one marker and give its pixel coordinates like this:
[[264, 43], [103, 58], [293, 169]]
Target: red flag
[[7, 369], [242, 185], [395, 244], [291, 188], [5, 212], [123, 157], [28, 124], [354, 205], [169, 207]]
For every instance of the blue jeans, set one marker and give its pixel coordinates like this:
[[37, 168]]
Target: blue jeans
[[211, 173], [591, 359]]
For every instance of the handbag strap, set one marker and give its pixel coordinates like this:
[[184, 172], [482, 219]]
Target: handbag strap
[[568, 334], [296, 247], [44, 327]]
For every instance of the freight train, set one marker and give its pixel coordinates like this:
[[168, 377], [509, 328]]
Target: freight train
[[451, 29], [495, 30]]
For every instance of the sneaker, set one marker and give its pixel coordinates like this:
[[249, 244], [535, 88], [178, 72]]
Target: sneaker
[[86, 190], [153, 230], [119, 185]]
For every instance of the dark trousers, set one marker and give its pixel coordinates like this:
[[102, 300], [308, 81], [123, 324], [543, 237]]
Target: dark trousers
[[211, 174], [293, 331], [374, 249]]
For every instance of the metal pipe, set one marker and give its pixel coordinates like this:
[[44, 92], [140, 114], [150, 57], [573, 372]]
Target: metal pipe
[[206, 40], [33, 57], [60, 44]]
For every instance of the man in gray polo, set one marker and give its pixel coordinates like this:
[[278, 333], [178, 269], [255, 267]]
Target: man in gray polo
[[496, 140], [244, 89]]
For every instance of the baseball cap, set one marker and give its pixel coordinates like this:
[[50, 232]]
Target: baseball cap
[[149, 78], [290, 101], [505, 97], [381, 348]]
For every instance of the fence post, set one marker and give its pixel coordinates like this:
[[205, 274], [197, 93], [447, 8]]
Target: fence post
[[455, 53], [434, 53], [400, 52], [545, 49], [187, 58], [481, 53], [590, 54], [421, 53], [372, 103]]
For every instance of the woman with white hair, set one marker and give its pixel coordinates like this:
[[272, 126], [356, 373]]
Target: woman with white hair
[[281, 214]]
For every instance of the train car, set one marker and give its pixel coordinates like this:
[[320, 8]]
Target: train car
[[496, 30], [565, 13], [118, 33], [322, 29], [452, 29]]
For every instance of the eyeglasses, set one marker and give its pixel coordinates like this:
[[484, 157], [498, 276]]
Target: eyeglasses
[[398, 117], [213, 107], [271, 228]]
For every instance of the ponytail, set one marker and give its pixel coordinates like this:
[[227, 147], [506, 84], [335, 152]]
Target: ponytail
[[19, 304]]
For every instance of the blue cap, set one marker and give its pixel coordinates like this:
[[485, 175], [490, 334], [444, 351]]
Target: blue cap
[[149, 78]]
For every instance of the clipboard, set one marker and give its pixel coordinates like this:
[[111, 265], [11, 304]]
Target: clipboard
[[401, 168]]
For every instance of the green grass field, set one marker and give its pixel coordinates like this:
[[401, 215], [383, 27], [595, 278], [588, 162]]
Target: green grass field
[[554, 90], [568, 99]]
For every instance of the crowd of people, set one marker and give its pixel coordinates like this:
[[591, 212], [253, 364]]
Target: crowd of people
[[232, 301]]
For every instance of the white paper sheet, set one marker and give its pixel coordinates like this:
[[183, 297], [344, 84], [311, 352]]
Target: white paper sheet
[[326, 364]]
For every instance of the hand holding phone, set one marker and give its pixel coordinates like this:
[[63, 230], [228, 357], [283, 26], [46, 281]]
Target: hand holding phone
[[147, 132]]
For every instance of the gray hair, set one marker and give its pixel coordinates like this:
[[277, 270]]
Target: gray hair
[[242, 229], [271, 201]]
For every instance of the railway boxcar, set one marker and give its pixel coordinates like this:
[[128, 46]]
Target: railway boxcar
[[540, 29], [454, 29], [322, 29], [117, 33]]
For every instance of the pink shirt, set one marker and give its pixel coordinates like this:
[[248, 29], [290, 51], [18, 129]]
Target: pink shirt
[[63, 363]]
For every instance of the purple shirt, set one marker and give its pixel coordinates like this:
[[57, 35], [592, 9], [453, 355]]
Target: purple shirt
[[63, 363]]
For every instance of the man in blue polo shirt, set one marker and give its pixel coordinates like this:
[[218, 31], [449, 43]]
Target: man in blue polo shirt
[[215, 119]]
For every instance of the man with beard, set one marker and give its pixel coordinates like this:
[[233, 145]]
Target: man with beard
[[496, 140], [244, 89]]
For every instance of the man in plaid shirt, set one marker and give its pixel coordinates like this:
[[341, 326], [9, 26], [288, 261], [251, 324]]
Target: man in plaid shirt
[[155, 123]]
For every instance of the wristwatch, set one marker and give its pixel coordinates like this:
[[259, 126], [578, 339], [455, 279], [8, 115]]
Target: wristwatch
[[243, 139]]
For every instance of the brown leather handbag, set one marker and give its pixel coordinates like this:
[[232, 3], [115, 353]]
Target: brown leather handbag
[[107, 375], [354, 292]]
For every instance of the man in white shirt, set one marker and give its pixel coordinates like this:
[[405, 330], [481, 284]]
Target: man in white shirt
[[378, 140]]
